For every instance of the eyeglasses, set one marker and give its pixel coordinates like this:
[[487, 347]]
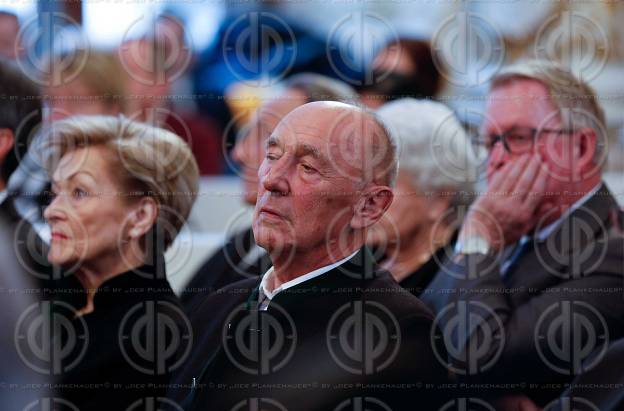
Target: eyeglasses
[[518, 140]]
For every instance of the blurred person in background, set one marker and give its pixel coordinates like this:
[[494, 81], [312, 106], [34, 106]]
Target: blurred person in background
[[240, 257], [539, 252], [116, 207], [152, 65], [93, 83], [287, 48], [16, 297], [9, 31], [20, 117], [403, 68], [417, 234]]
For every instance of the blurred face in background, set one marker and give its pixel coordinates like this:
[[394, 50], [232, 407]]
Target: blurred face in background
[[249, 152], [525, 103], [76, 98], [9, 30], [412, 211]]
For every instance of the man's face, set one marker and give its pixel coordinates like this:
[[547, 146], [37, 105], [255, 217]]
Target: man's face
[[249, 152], [304, 201], [525, 103]]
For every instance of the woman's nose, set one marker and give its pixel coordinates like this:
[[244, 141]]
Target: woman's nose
[[54, 210]]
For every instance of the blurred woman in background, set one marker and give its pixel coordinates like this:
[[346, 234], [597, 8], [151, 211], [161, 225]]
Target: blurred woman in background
[[436, 174]]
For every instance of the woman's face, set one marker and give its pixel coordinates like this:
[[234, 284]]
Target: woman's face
[[408, 212], [88, 211]]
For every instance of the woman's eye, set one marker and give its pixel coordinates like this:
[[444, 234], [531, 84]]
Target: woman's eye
[[79, 193]]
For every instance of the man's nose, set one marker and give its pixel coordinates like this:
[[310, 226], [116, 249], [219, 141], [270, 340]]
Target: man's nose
[[276, 178], [498, 157]]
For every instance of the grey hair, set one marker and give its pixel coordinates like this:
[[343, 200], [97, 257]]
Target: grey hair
[[317, 87], [572, 97], [434, 147]]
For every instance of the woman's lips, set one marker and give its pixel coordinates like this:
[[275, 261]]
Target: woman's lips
[[58, 236]]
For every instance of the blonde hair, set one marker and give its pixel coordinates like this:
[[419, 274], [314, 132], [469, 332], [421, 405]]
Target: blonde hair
[[572, 97], [100, 72], [149, 161]]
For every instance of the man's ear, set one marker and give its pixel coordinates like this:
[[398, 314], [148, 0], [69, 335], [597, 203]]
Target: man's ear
[[6, 143], [371, 206], [143, 217], [585, 141]]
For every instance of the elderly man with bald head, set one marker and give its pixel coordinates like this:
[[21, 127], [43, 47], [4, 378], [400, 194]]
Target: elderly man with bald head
[[324, 328]]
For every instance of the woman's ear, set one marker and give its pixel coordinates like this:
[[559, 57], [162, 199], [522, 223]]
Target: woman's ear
[[371, 206], [143, 218]]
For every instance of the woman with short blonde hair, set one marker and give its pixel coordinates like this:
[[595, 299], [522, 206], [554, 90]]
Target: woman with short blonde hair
[[122, 191]]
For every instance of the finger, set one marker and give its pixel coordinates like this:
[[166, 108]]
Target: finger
[[517, 167], [527, 178], [538, 188]]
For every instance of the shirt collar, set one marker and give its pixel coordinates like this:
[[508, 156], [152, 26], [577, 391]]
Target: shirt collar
[[265, 296], [545, 232]]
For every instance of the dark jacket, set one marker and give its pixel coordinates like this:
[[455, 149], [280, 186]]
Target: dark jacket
[[123, 352], [347, 336], [599, 388], [555, 309], [227, 265]]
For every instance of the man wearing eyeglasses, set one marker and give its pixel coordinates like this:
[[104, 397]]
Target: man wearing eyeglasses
[[534, 294]]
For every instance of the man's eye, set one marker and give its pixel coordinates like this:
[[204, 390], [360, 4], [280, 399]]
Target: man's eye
[[272, 156], [307, 168]]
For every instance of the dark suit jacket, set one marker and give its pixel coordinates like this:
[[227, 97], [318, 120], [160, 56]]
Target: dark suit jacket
[[539, 322], [224, 267], [126, 349], [350, 333], [601, 386]]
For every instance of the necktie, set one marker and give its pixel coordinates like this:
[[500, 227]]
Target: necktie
[[522, 247]]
